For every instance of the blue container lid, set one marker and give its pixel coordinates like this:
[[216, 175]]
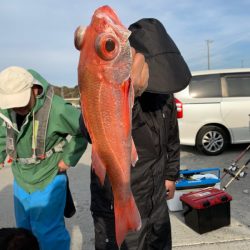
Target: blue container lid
[[197, 178]]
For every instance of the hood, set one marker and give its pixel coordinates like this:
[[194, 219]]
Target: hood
[[168, 71], [44, 86]]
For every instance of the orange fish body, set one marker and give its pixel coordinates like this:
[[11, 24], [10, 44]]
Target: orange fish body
[[107, 98]]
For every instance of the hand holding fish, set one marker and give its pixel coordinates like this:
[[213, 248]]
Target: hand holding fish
[[139, 73]]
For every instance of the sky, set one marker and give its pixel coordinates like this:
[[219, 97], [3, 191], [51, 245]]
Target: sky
[[40, 34]]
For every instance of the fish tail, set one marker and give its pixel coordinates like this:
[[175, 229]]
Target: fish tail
[[127, 218]]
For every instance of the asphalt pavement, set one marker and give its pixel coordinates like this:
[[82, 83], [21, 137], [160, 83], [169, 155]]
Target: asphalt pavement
[[237, 235]]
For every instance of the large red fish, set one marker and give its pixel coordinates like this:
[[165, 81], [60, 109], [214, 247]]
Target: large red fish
[[107, 99]]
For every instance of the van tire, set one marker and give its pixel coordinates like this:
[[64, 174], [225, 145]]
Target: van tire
[[212, 140]]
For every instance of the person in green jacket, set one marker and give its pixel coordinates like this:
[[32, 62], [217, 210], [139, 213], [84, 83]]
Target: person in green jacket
[[43, 140]]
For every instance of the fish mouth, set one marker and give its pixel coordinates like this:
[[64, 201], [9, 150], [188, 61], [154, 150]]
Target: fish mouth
[[108, 16], [107, 12]]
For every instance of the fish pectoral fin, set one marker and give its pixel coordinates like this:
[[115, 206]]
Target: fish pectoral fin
[[134, 155], [127, 218], [98, 166]]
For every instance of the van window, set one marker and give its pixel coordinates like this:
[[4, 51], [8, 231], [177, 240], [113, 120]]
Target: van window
[[238, 86], [205, 86]]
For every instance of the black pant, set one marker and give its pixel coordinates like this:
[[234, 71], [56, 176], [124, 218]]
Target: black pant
[[155, 234], [69, 209]]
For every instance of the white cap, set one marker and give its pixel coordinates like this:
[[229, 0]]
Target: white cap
[[15, 87]]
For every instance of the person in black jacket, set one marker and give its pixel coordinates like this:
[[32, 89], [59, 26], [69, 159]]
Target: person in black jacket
[[156, 137]]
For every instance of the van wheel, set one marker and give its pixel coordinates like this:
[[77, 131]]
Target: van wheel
[[212, 140]]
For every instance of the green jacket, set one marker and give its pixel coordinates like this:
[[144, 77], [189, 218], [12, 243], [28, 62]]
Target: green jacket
[[63, 121]]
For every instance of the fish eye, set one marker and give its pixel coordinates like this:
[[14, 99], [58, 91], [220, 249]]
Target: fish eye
[[110, 45], [107, 47]]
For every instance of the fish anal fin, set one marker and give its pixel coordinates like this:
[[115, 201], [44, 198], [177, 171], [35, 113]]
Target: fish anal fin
[[127, 218], [98, 166]]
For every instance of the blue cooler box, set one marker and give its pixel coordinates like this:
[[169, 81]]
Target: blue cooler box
[[193, 180]]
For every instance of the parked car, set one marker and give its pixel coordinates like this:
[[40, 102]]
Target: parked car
[[215, 110]]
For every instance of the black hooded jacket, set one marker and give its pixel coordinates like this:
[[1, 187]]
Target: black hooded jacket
[[155, 134], [154, 131]]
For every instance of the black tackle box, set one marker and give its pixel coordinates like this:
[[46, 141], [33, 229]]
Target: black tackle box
[[206, 209]]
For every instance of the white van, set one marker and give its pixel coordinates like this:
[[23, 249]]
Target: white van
[[215, 109]]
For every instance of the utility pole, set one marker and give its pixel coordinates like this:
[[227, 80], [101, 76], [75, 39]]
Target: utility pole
[[208, 53]]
